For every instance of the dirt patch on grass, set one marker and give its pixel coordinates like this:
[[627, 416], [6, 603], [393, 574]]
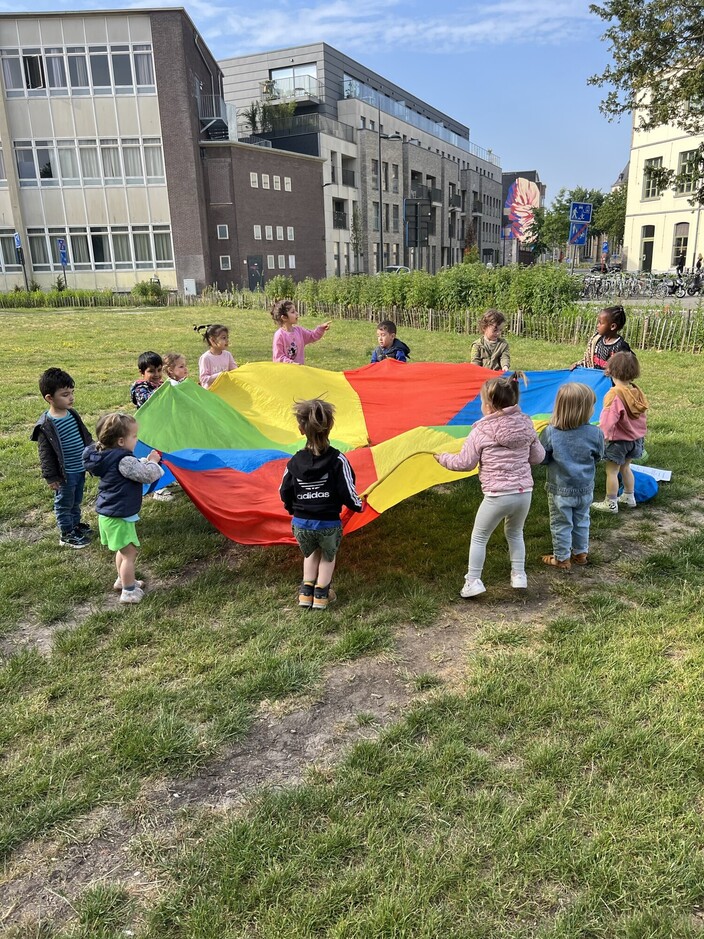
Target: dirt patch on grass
[[356, 701]]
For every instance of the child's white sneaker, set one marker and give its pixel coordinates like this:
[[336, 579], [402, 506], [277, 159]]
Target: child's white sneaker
[[163, 495], [131, 596], [627, 498], [519, 581], [472, 588], [608, 505]]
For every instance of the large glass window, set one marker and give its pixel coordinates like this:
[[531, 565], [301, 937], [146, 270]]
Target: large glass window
[[154, 159], [296, 81], [680, 241], [47, 163], [142, 246], [144, 68], [9, 254], [122, 247], [26, 166], [78, 71], [100, 71], [38, 251], [100, 243], [68, 163], [163, 251], [110, 155], [33, 67], [12, 73], [55, 70], [79, 248], [132, 156], [90, 164], [122, 68]]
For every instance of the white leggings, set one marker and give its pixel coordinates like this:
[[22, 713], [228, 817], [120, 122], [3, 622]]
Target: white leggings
[[513, 509]]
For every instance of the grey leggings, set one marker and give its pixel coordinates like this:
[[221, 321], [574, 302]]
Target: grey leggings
[[513, 509]]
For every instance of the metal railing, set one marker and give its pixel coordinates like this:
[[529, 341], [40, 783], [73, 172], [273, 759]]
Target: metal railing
[[285, 89], [348, 178], [339, 220]]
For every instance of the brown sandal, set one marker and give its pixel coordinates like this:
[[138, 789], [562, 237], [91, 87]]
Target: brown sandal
[[552, 561], [580, 559]]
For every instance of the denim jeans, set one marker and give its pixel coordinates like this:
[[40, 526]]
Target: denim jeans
[[513, 510], [67, 502], [569, 524]]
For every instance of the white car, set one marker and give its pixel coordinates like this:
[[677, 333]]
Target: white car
[[396, 269]]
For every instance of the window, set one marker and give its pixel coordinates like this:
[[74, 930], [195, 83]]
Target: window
[[679, 241], [394, 177], [289, 232], [110, 156], [257, 232], [270, 261], [144, 68], [122, 248], [122, 68], [385, 175], [375, 216], [12, 73], [132, 157], [100, 71], [386, 216], [363, 122], [287, 183], [687, 171], [265, 180], [298, 81], [47, 163], [154, 160], [55, 70], [279, 232], [254, 180], [78, 71], [33, 67], [38, 251], [26, 167], [292, 261], [282, 261], [268, 233], [90, 165], [225, 262], [100, 243], [277, 182], [142, 247], [163, 248], [395, 218], [79, 249], [651, 188], [375, 174], [223, 233]]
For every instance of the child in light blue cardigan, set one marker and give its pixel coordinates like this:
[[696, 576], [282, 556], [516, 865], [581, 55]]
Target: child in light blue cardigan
[[573, 447]]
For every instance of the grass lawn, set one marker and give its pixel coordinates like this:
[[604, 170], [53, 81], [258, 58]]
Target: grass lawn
[[553, 792]]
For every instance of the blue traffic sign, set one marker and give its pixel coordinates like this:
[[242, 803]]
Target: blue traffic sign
[[580, 212], [605, 248], [578, 233], [63, 253], [18, 240]]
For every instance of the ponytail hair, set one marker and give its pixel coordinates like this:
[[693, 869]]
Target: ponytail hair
[[280, 309], [210, 331], [315, 419], [504, 392]]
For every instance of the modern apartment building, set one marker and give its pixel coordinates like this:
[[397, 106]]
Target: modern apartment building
[[661, 223], [402, 179], [108, 121]]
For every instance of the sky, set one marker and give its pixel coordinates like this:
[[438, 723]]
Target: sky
[[514, 71]]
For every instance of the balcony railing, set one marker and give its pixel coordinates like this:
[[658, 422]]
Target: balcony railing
[[477, 207], [348, 178], [419, 191], [339, 220], [292, 126], [301, 88], [455, 202], [435, 195]]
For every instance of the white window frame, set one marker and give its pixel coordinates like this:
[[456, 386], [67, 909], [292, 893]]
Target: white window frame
[[287, 183], [268, 233], [223, 233], [265, 180], [290, 233], [279, 232], [257, 232], [225, 262], [271, 262], [292, 261], [254, 180], [277, 182], [282, 262]]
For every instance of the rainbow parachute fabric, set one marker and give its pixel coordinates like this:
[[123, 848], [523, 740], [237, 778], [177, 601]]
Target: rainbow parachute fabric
[[228, 446]]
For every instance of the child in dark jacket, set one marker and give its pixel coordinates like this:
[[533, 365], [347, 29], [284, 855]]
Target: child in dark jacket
[[62, 436], [317, 483], [121, 477], [573, 447], [390, 347]]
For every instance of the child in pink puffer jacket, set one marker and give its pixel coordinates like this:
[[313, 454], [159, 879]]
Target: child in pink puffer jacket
[[505, 445]]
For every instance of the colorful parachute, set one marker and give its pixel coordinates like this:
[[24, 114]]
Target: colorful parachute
[[228, 446]]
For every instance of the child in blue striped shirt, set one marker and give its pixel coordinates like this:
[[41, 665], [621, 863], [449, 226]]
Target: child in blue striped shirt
[[62, 436]]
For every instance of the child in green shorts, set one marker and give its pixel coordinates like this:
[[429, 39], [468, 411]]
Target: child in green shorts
[[121, 477]]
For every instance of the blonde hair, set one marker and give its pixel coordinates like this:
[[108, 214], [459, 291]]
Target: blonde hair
[[111, 427], [500, 393], [623, 366], [574, 405], [315, 419], [170, 359]]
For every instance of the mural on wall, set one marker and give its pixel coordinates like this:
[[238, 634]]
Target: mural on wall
[[523, 197]]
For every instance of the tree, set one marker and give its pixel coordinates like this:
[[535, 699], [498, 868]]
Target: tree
[[658, 68], [611, 215], [356, 235], [535, 239]]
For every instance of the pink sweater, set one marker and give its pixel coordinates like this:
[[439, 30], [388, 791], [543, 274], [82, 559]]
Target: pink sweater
[[210, 366], [289, 345], [505, 445]]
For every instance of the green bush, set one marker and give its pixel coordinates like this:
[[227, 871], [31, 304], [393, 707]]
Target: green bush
[[149, 291], [279, 288]]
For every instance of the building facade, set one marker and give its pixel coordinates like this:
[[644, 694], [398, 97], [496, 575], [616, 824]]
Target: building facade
[[402, 179], [661, 223], [106, 120], [523, 192]]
